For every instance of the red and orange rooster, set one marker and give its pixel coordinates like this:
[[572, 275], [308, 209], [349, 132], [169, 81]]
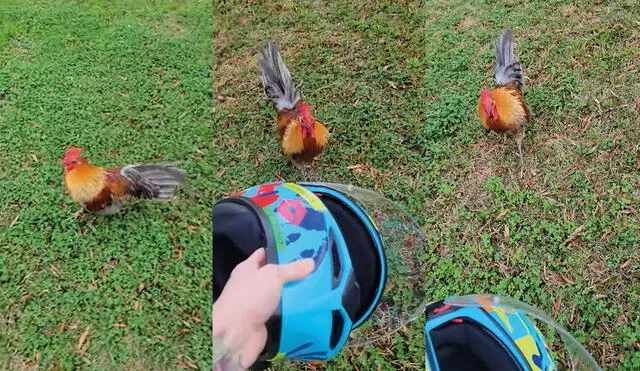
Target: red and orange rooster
[[102, 190], [303, 137], [503, 109]]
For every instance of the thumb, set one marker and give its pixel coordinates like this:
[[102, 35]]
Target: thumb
[[295, 271], [257, 259]]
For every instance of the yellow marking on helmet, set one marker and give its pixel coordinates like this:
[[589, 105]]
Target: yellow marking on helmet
[[278, 356], [503, 317], [312, 199], [373, 222], [528, 347]]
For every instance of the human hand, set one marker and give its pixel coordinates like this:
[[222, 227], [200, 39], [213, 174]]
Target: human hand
[[248, 300]]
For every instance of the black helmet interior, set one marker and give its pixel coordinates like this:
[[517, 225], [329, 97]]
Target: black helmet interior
[[365, 258], [470, 346]]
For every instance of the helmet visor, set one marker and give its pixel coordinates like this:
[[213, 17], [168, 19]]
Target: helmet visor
[[567, 352]]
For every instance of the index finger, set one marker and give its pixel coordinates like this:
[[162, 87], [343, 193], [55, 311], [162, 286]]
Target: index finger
[[295, 271]]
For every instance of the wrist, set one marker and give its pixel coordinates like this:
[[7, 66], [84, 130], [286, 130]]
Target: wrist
[[219, 331], [219, 320], [226, 339]]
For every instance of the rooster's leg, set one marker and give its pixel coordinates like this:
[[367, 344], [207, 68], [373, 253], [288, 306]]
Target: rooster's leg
[[519, 138], [303, 167], [298, 165], [77, 214]]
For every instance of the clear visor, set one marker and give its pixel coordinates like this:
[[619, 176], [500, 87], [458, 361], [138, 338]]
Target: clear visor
[[403, 297], [566, 351]]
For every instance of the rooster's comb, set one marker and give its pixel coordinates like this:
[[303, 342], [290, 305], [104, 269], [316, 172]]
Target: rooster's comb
[[306, 114], [72, 153]]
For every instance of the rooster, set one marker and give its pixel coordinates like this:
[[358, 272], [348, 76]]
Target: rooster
[[102, 190], [503, 109], [303, 137]]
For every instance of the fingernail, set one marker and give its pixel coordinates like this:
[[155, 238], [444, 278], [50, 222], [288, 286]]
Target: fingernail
[[311, 263]]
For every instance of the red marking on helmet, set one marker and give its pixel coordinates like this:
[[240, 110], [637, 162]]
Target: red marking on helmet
[[239, 194], [456, 320], [266, 195], [442, 308]]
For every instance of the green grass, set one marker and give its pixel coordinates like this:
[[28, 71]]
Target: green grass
[[398, 82], [131, 82]]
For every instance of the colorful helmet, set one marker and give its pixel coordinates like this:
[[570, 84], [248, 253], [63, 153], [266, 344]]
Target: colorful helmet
[[294, 221], [483, 337]]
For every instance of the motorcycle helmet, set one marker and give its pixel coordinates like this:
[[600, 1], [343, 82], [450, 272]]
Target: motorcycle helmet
[[294, 221], [481, 332]]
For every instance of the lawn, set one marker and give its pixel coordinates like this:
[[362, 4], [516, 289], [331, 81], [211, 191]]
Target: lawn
[[398, 83], [130, 81]]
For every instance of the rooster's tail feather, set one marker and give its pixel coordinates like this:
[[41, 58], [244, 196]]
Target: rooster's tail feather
[[507, 67], [156, 181], [276, 78]]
